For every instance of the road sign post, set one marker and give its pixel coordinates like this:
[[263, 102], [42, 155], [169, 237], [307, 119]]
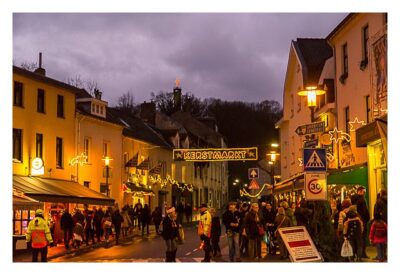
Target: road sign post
[[253, 173], [314, 160], [315, 186], [312, 128]]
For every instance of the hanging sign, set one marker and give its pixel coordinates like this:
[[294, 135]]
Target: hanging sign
[[315, 185], [254, 185], [299, 244], [216, 154], [312, 128], [253, 173], [37, 167], [314, 160]]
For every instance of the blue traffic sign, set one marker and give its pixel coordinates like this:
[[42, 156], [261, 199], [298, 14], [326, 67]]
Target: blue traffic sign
[[253, 173], [314, 159]]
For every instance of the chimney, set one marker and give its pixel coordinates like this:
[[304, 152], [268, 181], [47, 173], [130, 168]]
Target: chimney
[[148, 112], [177, 96], [40, 70]]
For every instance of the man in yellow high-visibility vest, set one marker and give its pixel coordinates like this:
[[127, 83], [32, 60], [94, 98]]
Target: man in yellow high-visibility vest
[[38, 236], [204, 231]]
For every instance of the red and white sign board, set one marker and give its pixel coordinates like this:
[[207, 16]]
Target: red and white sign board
[[254, 185], [299, 244], [315, 185]]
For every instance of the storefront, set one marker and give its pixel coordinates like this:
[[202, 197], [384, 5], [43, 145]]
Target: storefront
[[374, 137], [344, 182], [51, 195]]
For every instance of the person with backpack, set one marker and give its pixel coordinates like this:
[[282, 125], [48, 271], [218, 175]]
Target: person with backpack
[[352, 231], [378, 237]]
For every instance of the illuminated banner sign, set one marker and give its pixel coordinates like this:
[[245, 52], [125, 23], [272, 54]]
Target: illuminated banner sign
[[217, 154]]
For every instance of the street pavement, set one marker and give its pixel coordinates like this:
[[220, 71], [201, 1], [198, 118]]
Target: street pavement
[[148, 248]]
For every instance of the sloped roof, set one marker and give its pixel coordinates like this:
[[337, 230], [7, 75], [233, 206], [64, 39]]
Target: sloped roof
[[198, 128], [312, 53], [47, 80], [137, 129]]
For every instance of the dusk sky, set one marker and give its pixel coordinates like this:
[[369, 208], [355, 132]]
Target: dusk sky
[[231, 56]]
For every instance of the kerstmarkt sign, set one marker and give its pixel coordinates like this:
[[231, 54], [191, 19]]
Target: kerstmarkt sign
[[216, 154]]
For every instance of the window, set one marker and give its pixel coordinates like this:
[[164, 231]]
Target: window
[[105, 149], [368, 108], [97, 109], [173, 170], [345, 60], [21, 220], [39, 146], [59, 152], [40, 101], [17, 144], [365, 37], [93, 108], [86, 184], [86, 147], [347, 118], [18, 94], [101, 110], [60, 106]]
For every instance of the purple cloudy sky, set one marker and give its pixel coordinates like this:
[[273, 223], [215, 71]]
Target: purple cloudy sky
[[228, 56]]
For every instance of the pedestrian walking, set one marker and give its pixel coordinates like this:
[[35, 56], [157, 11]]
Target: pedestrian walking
[[67, 225], [180, 211], [204, 231], [281, 221], [89, 226], [345, 206], [170, 234], [362, 209], [127, 222], [117, 221], [353, 231], [78, 234], [215, 233], [188, 212], [230, 219], [380, 207], [138, 214], [144, 218], [98, 223], [106, 223], [243, 240], [38, 237], [156, 216], [378, 237], [254, 230], [269, 217]]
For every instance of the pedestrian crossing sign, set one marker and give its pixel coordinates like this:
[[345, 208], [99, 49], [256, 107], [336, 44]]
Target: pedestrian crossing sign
[[314, 159]]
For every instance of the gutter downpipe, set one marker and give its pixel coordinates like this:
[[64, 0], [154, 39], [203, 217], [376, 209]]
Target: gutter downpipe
[[336, 100]]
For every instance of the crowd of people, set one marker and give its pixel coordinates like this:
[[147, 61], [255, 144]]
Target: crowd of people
[[246, 227]]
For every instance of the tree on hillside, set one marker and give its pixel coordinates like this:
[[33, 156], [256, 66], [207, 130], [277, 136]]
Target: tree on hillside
[[126, 104]]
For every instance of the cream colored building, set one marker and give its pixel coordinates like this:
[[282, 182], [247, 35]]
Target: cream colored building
[[98, 136], [359, 43], [354, 109]]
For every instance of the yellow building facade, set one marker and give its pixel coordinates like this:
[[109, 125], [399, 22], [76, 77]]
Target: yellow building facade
[[42, 127]]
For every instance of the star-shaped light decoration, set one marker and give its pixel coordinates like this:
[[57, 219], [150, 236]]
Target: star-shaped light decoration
[[179, 155], [251, 154], [339, 135], [356, 121], [330, 157], [300, 161]]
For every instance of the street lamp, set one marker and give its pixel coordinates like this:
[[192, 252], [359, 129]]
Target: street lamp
[[311, 93], [273, 154], [107, 172]]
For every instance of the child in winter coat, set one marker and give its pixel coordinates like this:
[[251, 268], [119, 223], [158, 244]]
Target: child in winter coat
[[378, 236]]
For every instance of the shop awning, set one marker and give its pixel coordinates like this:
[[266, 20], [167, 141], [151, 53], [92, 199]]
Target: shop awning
[[293, 183], [25, 203], [144, 165], [133, 162], [53, 190], [357, 174]]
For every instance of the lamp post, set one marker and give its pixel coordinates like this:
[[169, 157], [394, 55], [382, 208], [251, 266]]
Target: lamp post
[[273, 154], [107, 172], [311, 93]]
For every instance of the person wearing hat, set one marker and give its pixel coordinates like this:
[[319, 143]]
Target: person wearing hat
[[353, 229], [38, 236], [362, 209], [170, 234], [204, 231]]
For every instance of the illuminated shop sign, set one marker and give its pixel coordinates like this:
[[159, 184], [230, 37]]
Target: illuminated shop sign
[[216, 154]]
